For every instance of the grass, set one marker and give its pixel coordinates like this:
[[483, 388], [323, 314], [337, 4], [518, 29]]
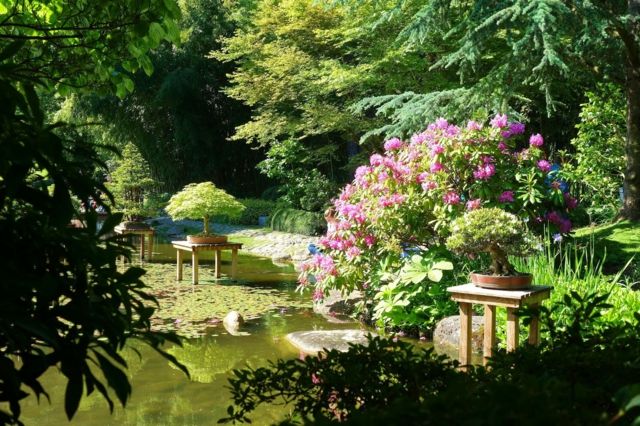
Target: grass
[[613, 244]]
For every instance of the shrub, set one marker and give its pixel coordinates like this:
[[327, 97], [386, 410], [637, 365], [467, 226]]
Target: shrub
[[599, 160], [410, 195], [297, 221], [581, 375], [254, 208]]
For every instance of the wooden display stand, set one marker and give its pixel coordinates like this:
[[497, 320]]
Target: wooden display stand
[[195, 249], [468, 294], [143, 233]]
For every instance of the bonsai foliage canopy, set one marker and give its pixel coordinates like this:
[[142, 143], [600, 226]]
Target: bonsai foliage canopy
[[203, 201], [493, 231]]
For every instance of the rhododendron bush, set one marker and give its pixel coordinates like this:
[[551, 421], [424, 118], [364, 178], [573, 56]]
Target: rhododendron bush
[[409, 195]]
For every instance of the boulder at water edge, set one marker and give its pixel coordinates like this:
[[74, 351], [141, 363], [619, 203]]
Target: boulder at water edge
[[446, 336]]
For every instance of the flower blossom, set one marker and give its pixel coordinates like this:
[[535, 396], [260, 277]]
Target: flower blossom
[[474, 204], [506, 197], [429, 185], [544, 165], [442, 123], [536, 140], [451, 198], [499, 121], [473, 125], [392, 144], [375, 159], [485, 171], [435, 167]]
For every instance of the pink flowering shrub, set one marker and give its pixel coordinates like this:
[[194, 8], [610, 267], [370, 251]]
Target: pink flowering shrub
[[410, 194]]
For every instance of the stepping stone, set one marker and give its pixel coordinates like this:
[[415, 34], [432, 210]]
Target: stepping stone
[[314, 342]]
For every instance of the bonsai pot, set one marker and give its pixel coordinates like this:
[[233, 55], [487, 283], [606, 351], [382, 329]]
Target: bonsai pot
[[502, 282], [207, 239]]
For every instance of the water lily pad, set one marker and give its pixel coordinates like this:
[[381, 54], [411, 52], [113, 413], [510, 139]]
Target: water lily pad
[[192, 309]]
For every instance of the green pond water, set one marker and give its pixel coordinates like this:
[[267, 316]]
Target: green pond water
[[162, 395]]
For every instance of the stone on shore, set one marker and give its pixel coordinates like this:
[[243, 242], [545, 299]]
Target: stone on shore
[[446, 337], [314, 342], [335, 306]]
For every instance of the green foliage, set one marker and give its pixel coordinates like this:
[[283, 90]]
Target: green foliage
[[64, 304], [493, 231], [254, 208], [300, 65], [80, 45], [297, 221], [598, 168], [203, 201], [132, 186], [582, 375], [415, 296], [178, 118]]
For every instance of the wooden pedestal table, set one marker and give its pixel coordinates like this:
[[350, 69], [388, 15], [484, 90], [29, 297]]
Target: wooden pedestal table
[[143, 233], [468, 294], [195, 249]]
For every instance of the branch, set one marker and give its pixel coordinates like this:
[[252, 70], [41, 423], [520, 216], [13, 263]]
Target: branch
[[49, 37]]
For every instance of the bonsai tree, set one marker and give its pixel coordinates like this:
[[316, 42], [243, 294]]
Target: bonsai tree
[[132, 186], [493, 231], [203, 201]]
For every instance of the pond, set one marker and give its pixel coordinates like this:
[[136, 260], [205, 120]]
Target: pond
[[162, 395]]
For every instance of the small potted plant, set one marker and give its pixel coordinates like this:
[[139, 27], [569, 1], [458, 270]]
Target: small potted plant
[[499, 233], [203, 201], [133, 189]]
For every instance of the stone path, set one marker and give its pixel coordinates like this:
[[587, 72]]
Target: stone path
[[279, 246]]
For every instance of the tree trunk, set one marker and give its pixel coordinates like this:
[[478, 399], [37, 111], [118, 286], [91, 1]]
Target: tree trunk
[[205, 223], [631, 207]]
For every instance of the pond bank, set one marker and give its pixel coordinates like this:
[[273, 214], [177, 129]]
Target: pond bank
[[279, 246]]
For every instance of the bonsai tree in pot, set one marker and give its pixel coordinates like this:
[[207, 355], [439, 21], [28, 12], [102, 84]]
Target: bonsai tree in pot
[[134, 190], [203, 201], [498, 233]]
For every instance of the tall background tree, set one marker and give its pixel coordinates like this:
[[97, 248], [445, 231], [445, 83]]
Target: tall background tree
[[64, 303], [178, 117], [508, 54]]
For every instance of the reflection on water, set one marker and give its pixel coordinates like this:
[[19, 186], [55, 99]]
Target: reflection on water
[[162, 395]]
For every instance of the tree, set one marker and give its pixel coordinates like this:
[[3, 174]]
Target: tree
[[203, 201], [64, 302], [507, 51], [179, 118], [300, 65]]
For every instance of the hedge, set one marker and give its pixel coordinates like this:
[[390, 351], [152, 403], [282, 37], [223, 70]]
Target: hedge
[[298, 222]]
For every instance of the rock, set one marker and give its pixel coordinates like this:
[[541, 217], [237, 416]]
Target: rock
[[335, 304], [280, 257], [232, 322], [446, 336], [313, 342], [300, 256]]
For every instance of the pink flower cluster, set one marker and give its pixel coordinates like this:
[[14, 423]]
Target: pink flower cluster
[[412, 190]]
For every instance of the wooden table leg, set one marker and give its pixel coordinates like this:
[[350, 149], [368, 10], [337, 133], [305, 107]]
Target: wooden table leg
[[218, 262], [194, 267], [141, 247], [179, 265], [489, 332], [534, 328], [464, 354], [234, 263], [513, 330]]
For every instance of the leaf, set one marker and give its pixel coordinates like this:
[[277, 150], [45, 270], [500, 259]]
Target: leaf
[[156, 32], [435, 275], [444, 265], [116, 378], [73, 394], [12, 48]]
